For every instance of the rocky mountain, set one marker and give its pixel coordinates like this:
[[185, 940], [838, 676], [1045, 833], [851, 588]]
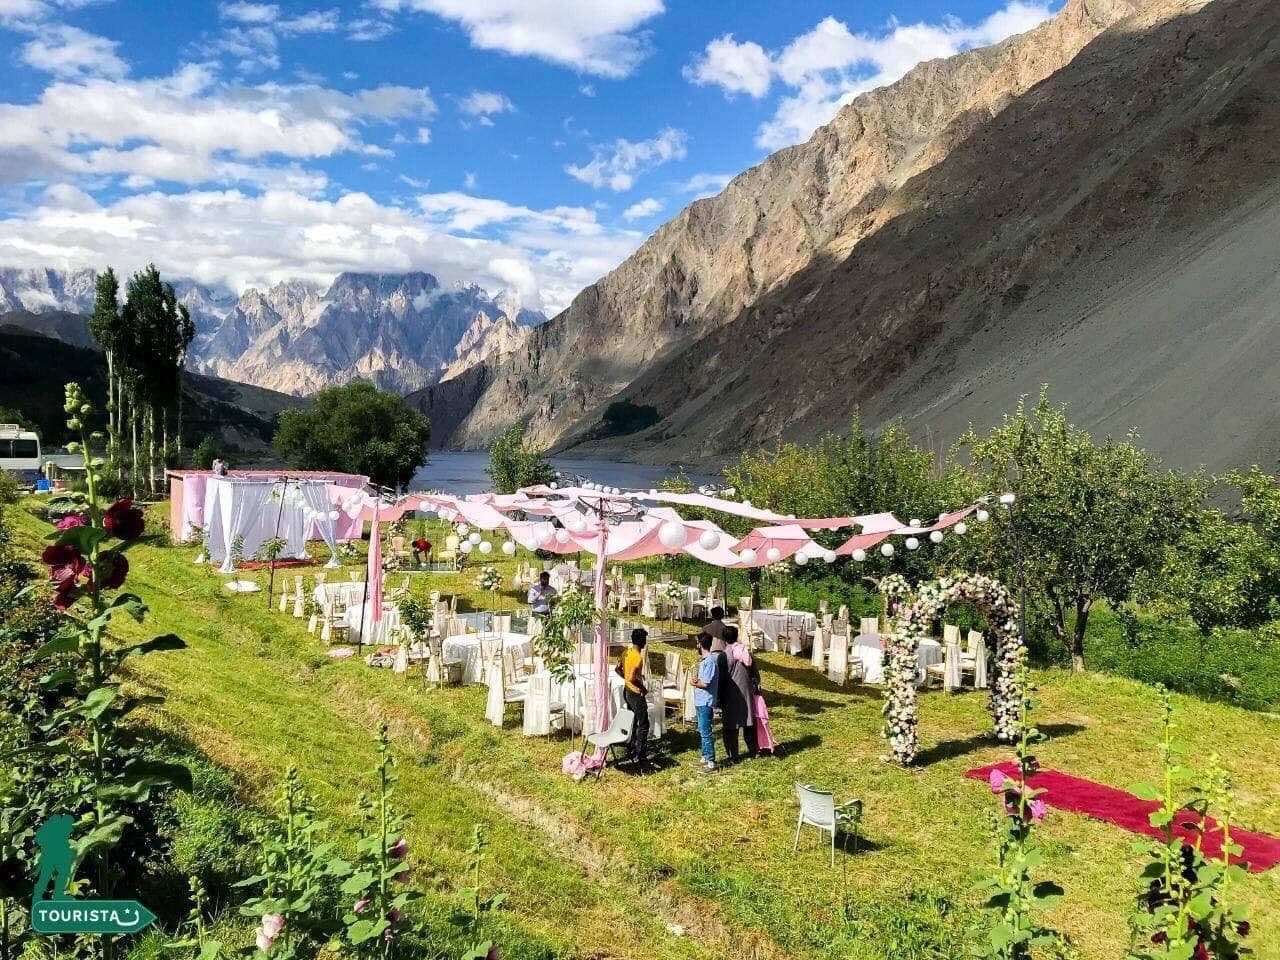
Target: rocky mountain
[[402, 331], [1093, 204]]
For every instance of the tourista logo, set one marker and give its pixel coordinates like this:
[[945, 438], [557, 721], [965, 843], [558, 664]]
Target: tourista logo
[[52, 911]]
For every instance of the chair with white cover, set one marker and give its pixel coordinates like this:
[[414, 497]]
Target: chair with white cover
[[974, 660], [286, 595], [869, 626], [664, 578], [950, 634], [838, 661], [675, 691], [639, 579], [502, 624], [540, 710], [818, 655], [655, 697], [947, 673], [333, 617], [796, 635], [500, 694], [690, 713], [695, 581], [585, 711], [819, 809], [843, 612], [823, 607], [618, 735]]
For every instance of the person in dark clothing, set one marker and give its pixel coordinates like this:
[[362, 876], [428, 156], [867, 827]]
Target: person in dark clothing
[[715, 629], [736, 696], [635, 694]]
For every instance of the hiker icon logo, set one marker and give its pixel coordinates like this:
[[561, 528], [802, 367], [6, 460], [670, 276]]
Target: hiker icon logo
[[54, 911]]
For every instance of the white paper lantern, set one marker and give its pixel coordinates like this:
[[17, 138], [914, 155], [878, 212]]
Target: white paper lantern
[[859, 555], [748, 556], [553, 485], [333, 514], [915, 521], [773, 554], [801, 558], [543, 537], [912, 543], [708, 539], [671, 536], [466, 546], [652, 492], [486, 546], [746, 503], [474, 537], [983, 516], [887, 550], [562, 536], [462, 529], [935, 537], [1007, 499], [509, 548], [615, 491], [960, 528], [828, 556]]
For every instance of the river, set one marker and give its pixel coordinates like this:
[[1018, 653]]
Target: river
[[462, 473]]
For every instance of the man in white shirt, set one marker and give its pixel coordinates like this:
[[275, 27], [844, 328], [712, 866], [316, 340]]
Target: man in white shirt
[[542, 595]]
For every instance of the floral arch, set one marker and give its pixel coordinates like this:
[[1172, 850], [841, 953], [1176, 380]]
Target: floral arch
[[912, 614]]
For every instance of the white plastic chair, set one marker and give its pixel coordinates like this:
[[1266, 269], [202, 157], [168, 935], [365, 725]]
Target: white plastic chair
[[819, 809], [618, 735]]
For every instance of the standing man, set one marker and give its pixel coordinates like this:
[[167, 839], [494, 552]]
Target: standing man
[[704, 699], [715, 629], [635, 695], [541, 596]]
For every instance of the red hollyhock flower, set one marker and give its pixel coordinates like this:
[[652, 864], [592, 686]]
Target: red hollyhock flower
[[124, 520], [116, 568], [59, 554]]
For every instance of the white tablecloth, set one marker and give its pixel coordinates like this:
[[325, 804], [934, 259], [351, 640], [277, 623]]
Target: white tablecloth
[[350, 592], [569, 693], [376, 633], [773, 624], [465, 649], [866, 649]]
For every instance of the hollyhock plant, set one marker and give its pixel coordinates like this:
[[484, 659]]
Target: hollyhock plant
[[72, 520], [123, 520]]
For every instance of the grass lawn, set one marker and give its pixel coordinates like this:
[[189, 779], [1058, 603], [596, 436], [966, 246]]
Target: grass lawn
[[680, 864]]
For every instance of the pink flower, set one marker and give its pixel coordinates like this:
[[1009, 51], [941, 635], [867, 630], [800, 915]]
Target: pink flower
[[361, 904], [272, 924], [400, 849], [996, 779], [493, 953], [117, 569], [264, 942], [395, 915], [72, 520], [1036, 808]]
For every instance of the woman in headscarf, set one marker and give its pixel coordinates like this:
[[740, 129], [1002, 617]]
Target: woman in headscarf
[[736, 696]]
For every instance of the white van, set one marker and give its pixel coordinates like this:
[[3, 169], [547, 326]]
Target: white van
[[20, 453]]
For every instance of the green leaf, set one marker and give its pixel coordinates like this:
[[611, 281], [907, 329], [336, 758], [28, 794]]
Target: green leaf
[[158, 772], [97, 702], [363, 930], [166, 641], [131, 604], [358, 882], [84, 539], [1145, 791], [67, 643]]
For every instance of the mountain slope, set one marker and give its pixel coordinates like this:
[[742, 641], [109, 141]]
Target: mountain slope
[[946, 235]]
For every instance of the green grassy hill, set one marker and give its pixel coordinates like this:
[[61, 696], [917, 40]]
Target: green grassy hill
[[679, 864]]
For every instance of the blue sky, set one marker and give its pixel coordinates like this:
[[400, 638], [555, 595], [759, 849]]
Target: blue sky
[[523, 144]]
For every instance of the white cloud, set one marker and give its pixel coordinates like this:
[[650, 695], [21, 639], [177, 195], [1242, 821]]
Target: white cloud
[[616, 165], [186, 129], [599, 37], [829, 65], [641, 209], [736, 67], [587, 89], [315, 21], [424, 135], [705, 184], [546, 256], [368, 29], [249, 12], [483, 103], [71, 52], [21, 11], [471, 181]]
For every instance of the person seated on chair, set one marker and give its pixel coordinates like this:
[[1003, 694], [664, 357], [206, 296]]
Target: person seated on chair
[[541, 596], [421, 550], [634, 694], [715, 629], [704, 699]]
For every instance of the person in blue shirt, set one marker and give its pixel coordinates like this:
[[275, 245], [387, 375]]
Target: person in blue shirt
[[704, 698]]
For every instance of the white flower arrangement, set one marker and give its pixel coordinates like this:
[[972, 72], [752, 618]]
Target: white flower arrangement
[[913, 616], [488, 579]]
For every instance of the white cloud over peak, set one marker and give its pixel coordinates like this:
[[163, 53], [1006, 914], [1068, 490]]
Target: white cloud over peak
[[642, 208], [66, 51], [705, 184], [599, 37], [829, 65], [735, 67], [617, 164], [484, 103]]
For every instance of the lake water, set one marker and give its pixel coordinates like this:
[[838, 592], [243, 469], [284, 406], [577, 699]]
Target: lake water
[[463, 472]]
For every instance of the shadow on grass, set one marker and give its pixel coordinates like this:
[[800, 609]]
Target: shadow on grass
[[948, 749]]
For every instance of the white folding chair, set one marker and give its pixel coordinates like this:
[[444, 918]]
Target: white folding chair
[[618, 735]]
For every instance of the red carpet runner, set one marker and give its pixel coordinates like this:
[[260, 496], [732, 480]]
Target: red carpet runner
[[1259, 850]]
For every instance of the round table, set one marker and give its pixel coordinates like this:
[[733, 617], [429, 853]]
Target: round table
[[465, 648], [362, 628], [350, 592], [775, 623], [867, 650], [569, 691]]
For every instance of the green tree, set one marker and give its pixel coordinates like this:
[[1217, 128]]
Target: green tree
[[514, 463], [107, 328], [1090, 518], [205, 453], [356, 428]]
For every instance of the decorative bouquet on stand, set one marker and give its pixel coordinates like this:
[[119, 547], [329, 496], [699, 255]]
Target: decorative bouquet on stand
[[672, 596], [488, 578]]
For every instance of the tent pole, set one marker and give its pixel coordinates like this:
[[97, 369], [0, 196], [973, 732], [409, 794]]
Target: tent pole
[[271, 564], [364, 600]]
